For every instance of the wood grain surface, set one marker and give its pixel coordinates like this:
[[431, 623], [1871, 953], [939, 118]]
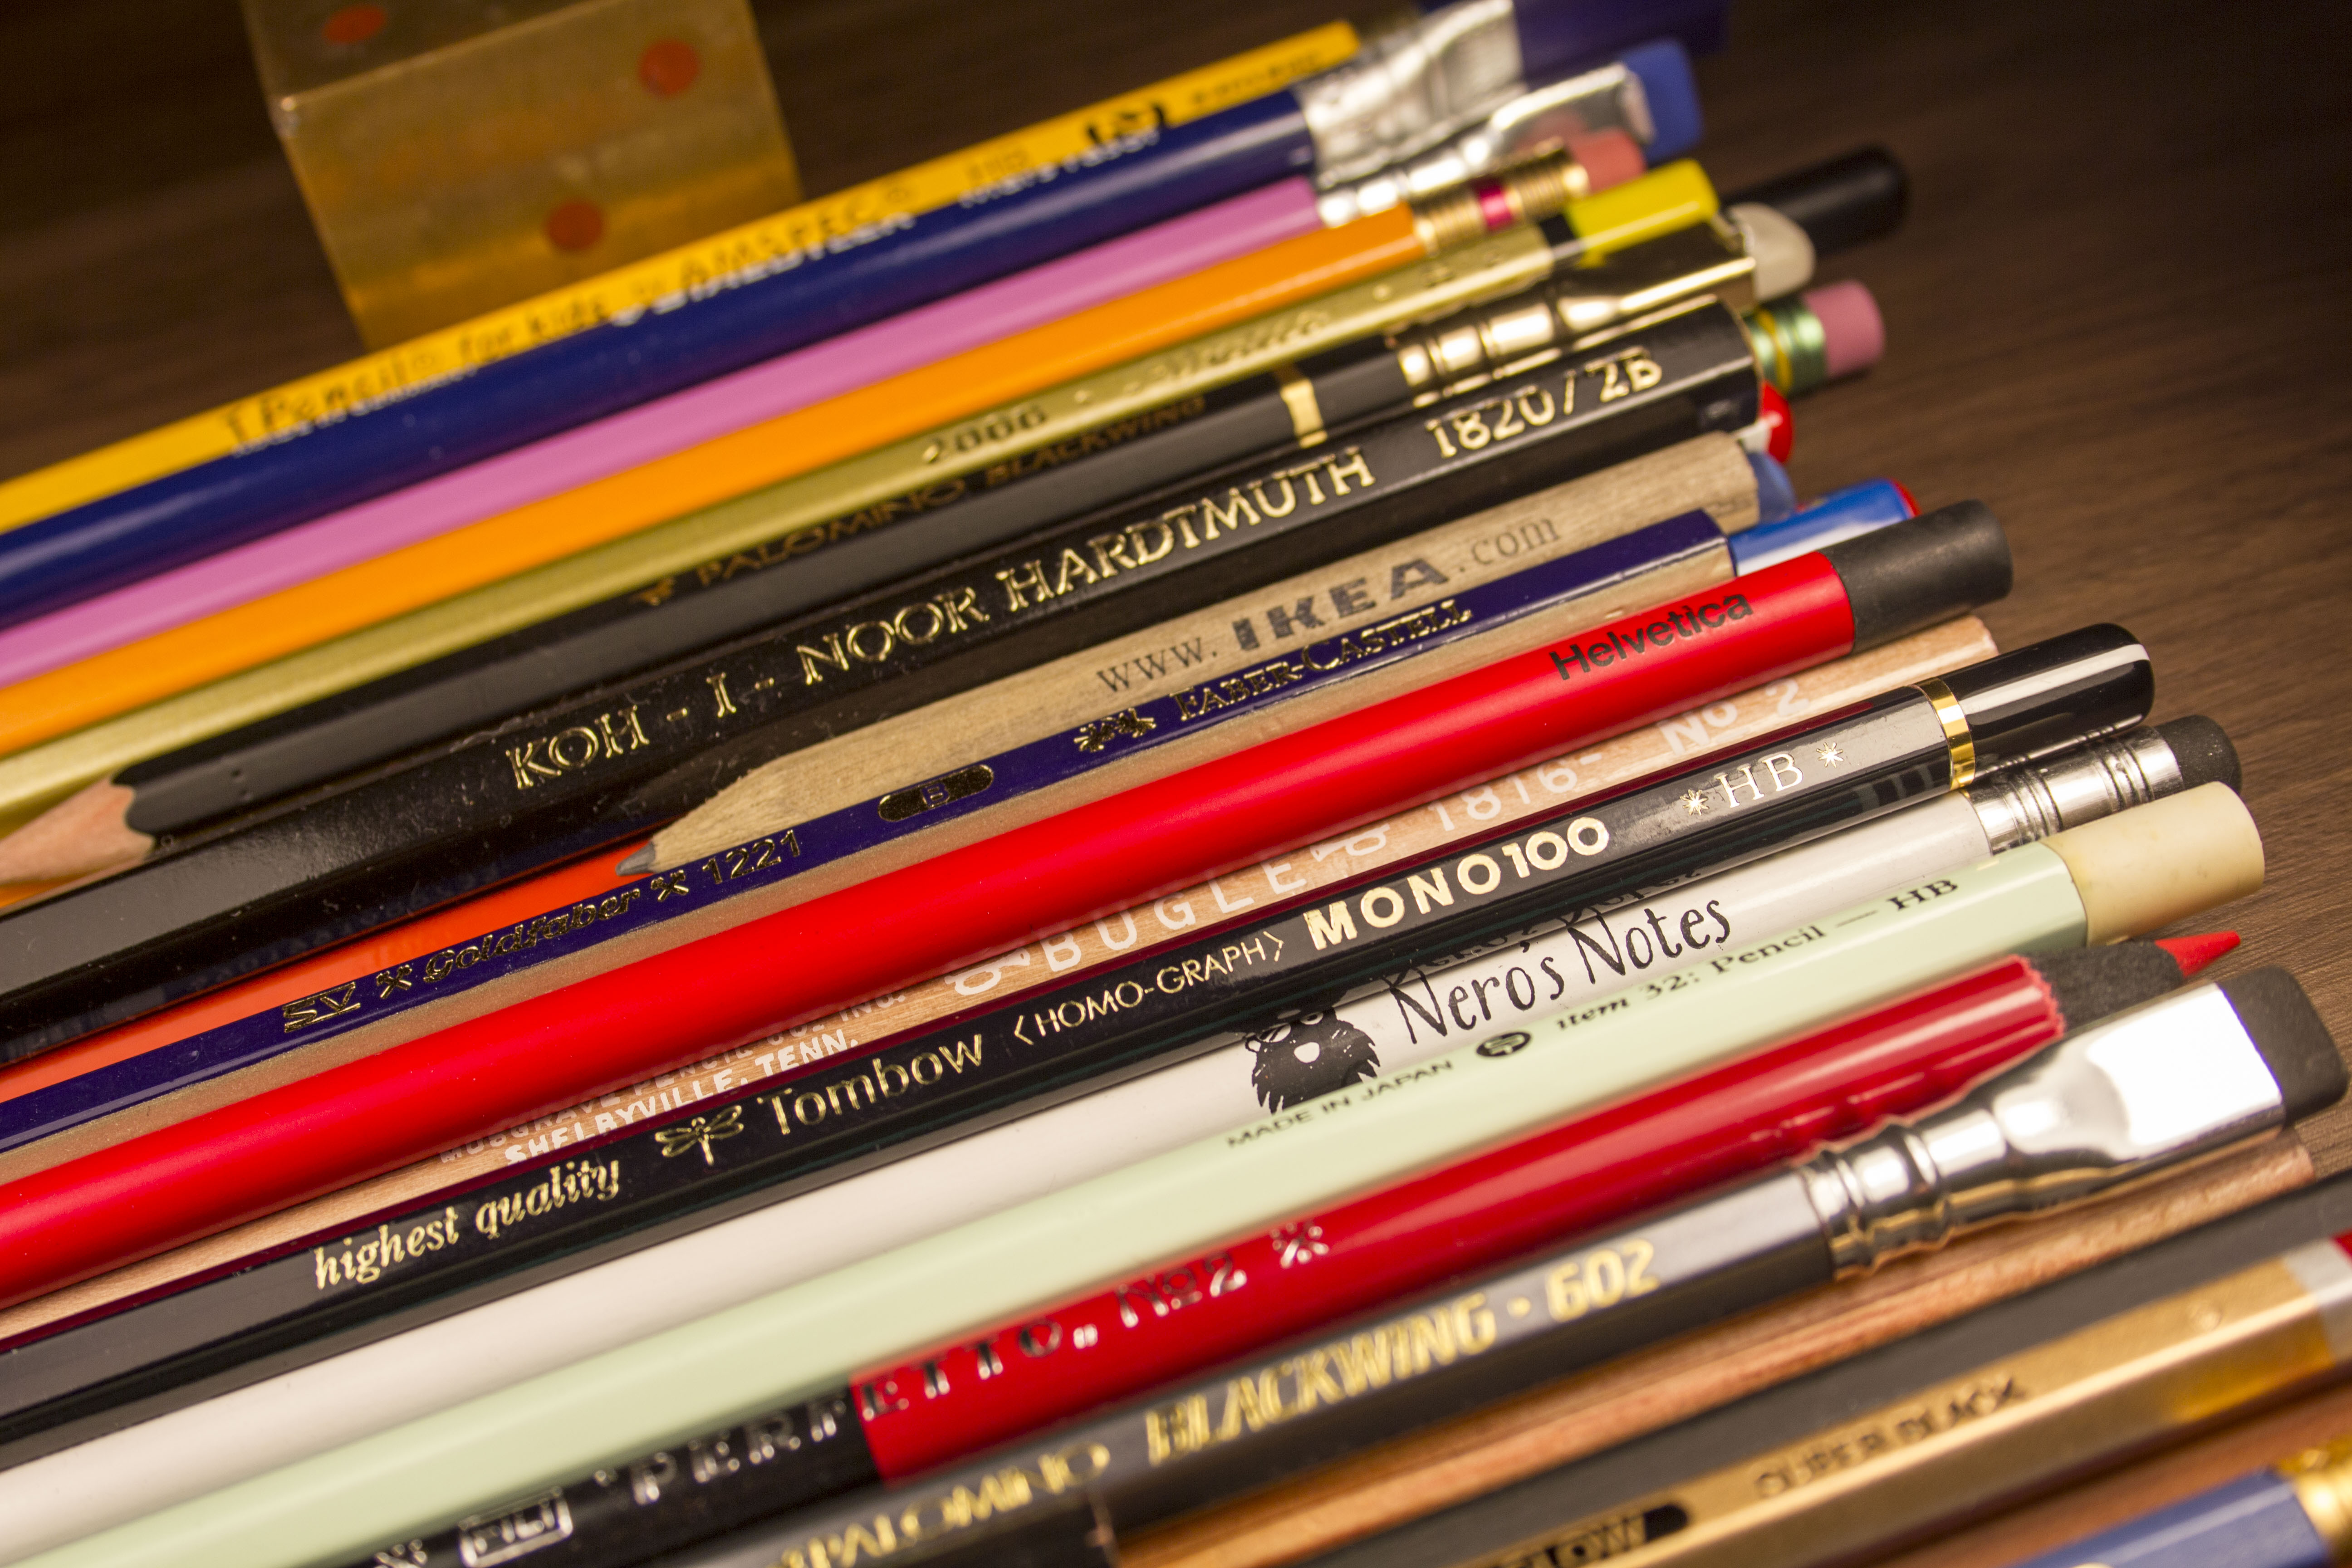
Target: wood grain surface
[[2113, 315]]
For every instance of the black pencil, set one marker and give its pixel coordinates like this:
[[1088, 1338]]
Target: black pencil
[[180, 791], [551, 784]]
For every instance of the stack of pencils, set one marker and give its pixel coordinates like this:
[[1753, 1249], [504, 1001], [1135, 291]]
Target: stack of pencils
[[1187, 858]]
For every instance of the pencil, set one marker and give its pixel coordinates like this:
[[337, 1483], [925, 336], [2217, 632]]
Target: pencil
[[1132, 177], [551, 785], [220, 432], [2263, 1061], [1586, 567], [1286, 984], [180, 791], [330, 634], [2024, 1421], [922, 919], [1236, 1298], [2166, 858], [762, 582], [2289, 1514], [764, 795], [1226, 903], [683, 613], [1598, 100], [1708, 475], [76, 1493], [1469, 1459], [1243, 122]]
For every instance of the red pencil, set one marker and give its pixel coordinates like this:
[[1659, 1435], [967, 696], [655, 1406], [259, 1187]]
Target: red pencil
[[179, 1183], [1659, 1147]]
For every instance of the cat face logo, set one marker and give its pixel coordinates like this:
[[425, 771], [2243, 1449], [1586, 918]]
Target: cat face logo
[[1308, 1054]]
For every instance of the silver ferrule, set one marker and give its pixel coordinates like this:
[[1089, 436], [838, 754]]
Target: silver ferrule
[[2023, 804], [1531, 123], [2154, 1089], [1408, 88]]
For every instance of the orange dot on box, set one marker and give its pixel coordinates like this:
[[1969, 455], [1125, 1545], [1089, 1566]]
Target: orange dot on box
[[354, 24], [576, 226], [668, 67]]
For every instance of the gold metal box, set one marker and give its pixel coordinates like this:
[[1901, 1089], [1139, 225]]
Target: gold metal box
[[458, 155]]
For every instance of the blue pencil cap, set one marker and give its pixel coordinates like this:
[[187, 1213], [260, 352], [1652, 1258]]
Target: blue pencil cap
[[1776, 497], [1664, 69], [1560, 36], [1841, 515]]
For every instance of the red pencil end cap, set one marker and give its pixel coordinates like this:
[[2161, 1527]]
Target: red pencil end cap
[[1909, 499], [1780, 425], [2194, 952]]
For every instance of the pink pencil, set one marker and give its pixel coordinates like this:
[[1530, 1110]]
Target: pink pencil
[[1088, 278]]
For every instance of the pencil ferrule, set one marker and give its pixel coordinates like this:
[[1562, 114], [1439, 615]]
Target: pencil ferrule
[[1458, 351], [2165, 1084], [1879, 1199], [2099, 780], [1407, 89], [1494, 340], [1532, 122]]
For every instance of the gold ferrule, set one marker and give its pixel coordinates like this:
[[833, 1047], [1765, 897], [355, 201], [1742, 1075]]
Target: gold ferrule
[[2322, 1478], [1970, 1443], [1956, 739], [1530, 192], [1476, 345], [1790, 351], [1298, 397]]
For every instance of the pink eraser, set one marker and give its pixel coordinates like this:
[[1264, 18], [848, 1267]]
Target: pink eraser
[[1853, 337], [1610, 158]]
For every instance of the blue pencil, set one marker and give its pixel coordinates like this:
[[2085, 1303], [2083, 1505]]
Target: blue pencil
[[2296, 1514]]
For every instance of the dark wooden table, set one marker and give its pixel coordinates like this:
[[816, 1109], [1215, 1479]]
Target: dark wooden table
[[2113, 316]]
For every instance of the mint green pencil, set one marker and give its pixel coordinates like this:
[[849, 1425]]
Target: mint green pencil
[[2128, 873]]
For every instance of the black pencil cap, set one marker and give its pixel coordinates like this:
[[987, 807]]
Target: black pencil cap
[[2295, 1045], [1856, 196], [2053, 694], [1910, 575], [2203, 752], [2090, 983]]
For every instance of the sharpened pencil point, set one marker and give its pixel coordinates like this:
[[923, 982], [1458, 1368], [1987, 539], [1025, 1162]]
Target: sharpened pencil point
[[2194, 952], [81, 834], [637, 864]]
